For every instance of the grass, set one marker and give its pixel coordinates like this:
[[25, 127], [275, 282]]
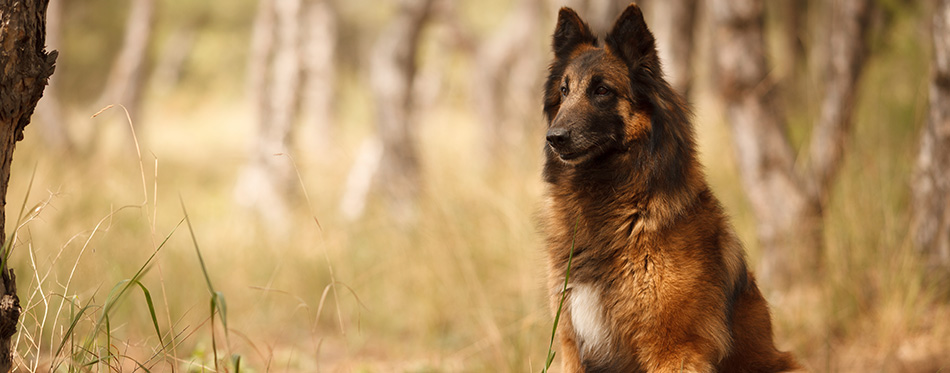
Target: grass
[[109, 280], [560, 304]]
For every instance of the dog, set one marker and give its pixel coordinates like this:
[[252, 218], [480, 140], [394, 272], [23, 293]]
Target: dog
[[658, 279]]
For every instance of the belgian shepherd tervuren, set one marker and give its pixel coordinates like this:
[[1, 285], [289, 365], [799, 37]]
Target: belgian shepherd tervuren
[[658, 278]]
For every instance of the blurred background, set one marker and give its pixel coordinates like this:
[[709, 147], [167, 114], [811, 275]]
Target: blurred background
[[361, 180]]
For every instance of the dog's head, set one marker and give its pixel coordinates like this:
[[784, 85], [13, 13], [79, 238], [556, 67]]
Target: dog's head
[[598, 99]]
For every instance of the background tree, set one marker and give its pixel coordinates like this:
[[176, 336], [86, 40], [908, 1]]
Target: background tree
[[318, 44], [787, 201], [126, 81], [26, 68], [930, 205], [674, 22], [290, 68], [392, 164], [508, 68]]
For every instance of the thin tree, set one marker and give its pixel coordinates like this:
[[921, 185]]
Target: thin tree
[[127, 76], [391, 163], [674, 22], [274, 89], [290, 67], [318, 44], [26, 69], [786, 200], [507, 74], [930, 187]]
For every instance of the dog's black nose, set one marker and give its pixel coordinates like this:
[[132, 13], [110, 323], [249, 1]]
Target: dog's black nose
[[558, 137]]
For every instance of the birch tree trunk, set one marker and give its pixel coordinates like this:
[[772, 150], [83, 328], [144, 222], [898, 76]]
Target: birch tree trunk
[[318, 49], [794, 14], [674, 22], [789, 220], [290, 78], [392, 71], [847, 54], [267, 182], [930, 188], [506, 71], [786, 202], [127, 77], [26, 69]]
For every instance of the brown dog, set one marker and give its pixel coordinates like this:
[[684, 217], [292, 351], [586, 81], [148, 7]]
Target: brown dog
[[658, 278]]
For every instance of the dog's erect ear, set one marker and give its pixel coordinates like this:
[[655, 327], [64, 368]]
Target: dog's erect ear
[[632, 40], [570, 33]]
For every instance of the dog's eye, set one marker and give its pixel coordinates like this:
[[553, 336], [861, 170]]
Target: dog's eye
[[563, 91], [601, 91]]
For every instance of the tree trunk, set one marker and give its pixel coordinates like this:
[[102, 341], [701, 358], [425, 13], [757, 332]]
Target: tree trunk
[[789, 220], [787, 203], [930, 189], [275, 72], [506, 71], [392, 71], [126, 79], [172, 59], [290, 78], [674, 22], [318, 44], [26, 69], [49, 110], [847, 52], [794, 14]]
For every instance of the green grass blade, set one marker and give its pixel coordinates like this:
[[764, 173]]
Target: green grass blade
[[108, 341], [560, 306], [122, 287], [222, 306], [236, 360], [71, 329], [8, 244], [214, 340], [151, 312], [204, 269], [218, 304]]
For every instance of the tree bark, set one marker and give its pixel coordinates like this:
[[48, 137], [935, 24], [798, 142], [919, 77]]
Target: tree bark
[[847, 52], [930, 188], [789, 220], [26, 69], [794, 14], [392, 71], [674, 22], [787, 202], [126, 79]]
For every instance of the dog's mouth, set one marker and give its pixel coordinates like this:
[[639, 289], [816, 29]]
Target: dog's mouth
[[572, 156]]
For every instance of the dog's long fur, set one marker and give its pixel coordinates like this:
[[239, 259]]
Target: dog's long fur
[[658, 281]]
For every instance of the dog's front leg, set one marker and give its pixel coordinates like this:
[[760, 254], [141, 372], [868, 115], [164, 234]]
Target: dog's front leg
[[570, 355]]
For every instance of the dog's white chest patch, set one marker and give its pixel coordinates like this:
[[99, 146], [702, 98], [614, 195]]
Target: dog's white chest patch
[[587, 318]]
